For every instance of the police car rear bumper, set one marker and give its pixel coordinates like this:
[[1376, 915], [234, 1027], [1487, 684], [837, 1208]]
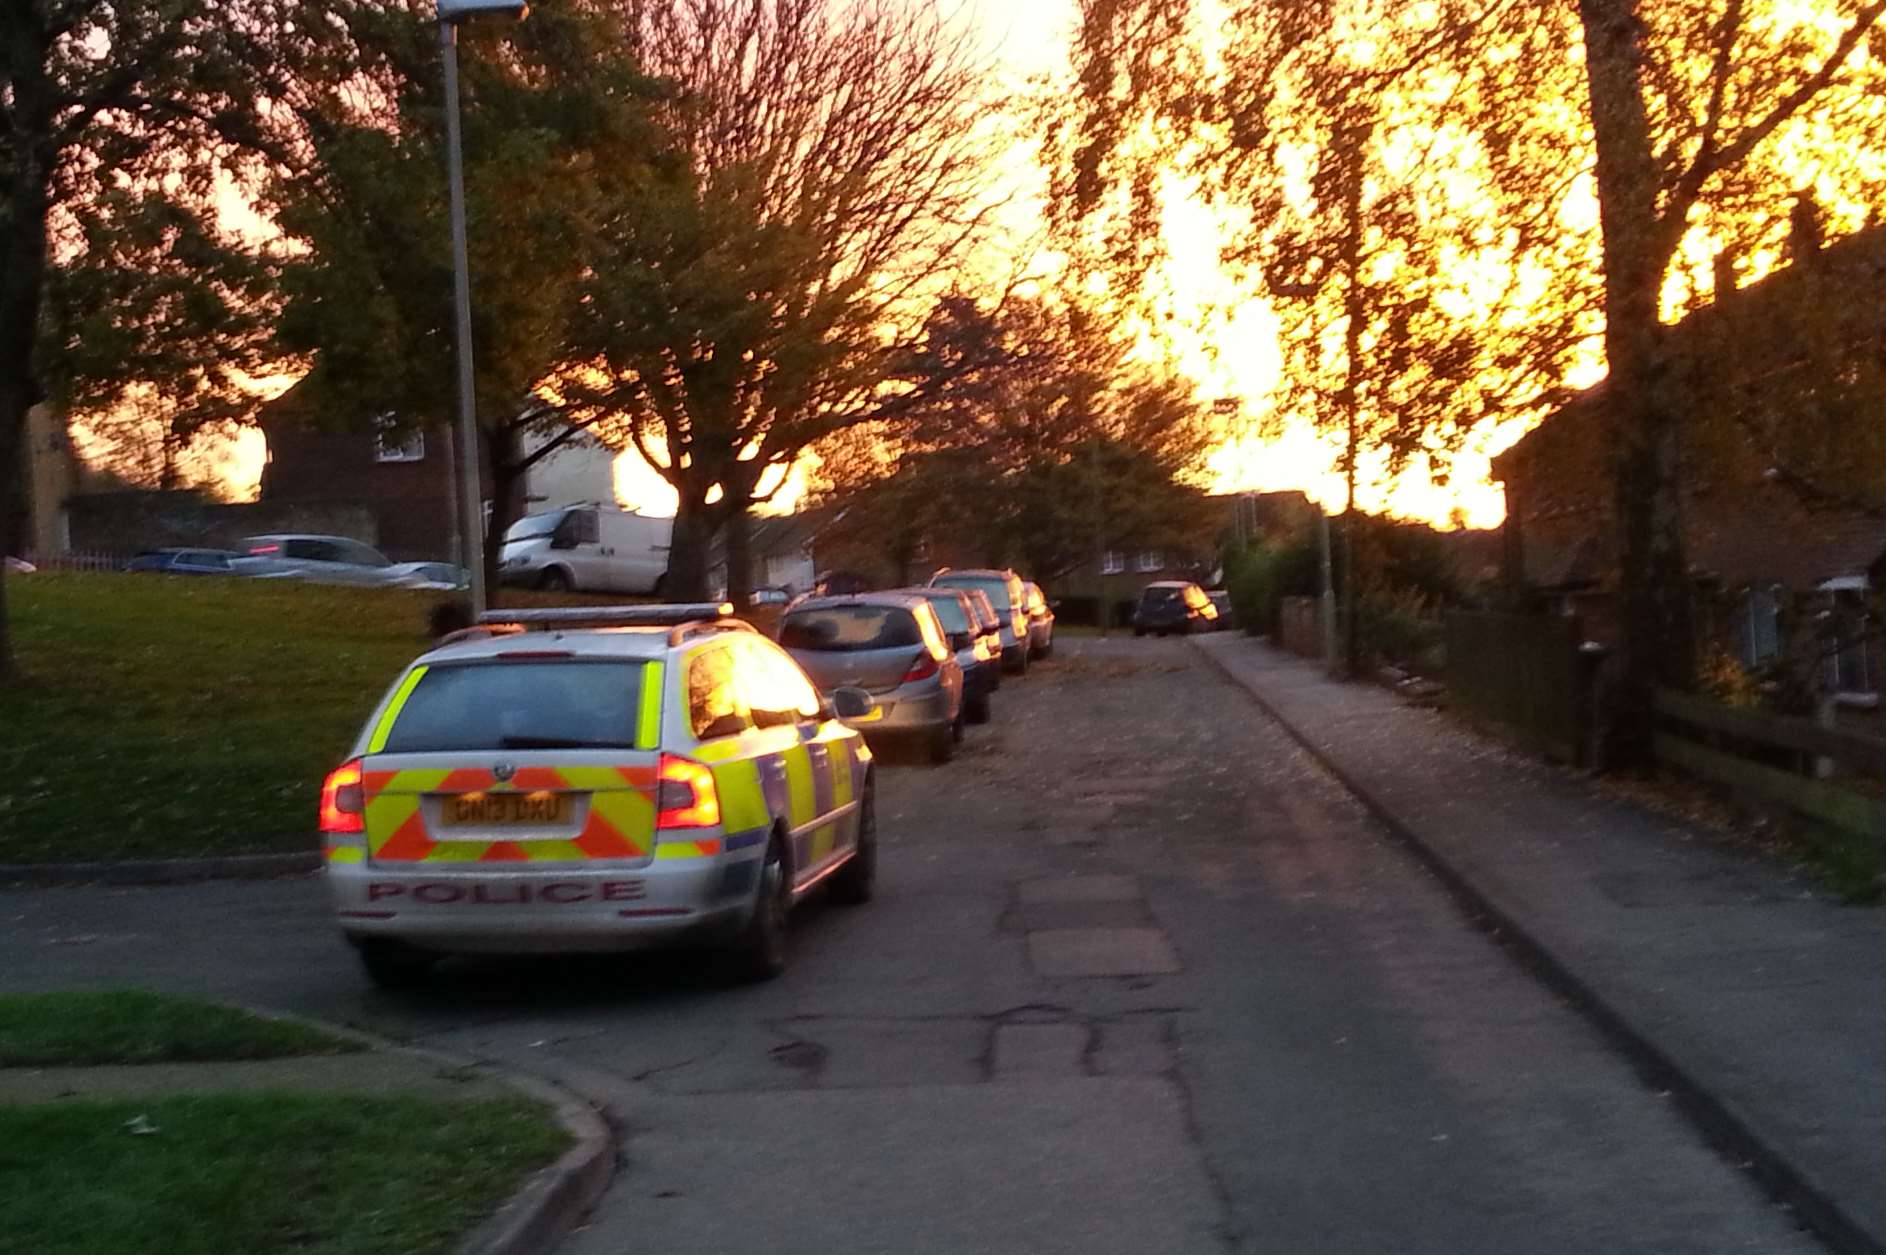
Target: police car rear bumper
[[566, 910]]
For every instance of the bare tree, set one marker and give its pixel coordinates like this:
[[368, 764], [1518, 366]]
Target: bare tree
[[771, 289]]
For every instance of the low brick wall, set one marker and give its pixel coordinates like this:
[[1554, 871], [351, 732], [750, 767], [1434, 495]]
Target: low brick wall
[[1300, 626]]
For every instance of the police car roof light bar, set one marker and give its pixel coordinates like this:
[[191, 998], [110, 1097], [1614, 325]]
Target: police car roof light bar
[[684, 630], [669, 615]]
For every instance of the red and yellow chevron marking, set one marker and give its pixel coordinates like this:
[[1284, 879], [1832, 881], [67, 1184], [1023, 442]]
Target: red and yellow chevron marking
[[620, 824]]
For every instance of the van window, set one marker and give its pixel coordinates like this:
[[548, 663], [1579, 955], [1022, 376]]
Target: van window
[[579, 527]]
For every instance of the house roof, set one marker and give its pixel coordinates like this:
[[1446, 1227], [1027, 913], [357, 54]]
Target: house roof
[[1757, 346]]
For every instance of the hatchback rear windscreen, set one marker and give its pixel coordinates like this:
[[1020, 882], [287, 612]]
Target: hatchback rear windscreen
[[997, 589], [1162, 596], [850, 628], [950, 612], [520, 705]]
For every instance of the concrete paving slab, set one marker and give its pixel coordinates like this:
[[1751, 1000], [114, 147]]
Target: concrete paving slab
[[1099, 887], [1102, 952]]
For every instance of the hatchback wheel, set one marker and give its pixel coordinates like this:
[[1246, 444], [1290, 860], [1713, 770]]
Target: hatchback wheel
[[856, 880], [943, 742], [976, 709], [760, 954]]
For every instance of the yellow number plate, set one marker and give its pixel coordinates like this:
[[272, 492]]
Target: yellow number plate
[[504, 810]]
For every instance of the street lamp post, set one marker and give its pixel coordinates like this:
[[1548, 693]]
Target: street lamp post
[[470, 492]]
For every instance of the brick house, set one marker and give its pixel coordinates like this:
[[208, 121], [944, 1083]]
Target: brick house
[[1766, 557]]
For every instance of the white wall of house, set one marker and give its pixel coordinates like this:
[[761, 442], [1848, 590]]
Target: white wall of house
[[582, 470]]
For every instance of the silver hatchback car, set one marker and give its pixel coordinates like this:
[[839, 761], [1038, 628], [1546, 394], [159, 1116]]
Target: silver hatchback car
[[892, 646]]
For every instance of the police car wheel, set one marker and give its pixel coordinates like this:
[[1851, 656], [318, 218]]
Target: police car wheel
[[943, 743], [761, 951], [855, 881], [393, 964], [976, 709]]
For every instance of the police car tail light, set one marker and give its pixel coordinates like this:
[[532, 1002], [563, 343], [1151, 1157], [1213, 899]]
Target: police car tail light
[[342, 800], [922, 669], [685, 796]]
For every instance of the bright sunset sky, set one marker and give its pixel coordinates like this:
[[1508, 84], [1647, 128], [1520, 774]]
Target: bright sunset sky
[[1227, 354]]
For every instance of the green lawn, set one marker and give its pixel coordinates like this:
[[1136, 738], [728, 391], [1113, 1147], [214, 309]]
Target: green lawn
[[172, 716], [262, 1174], [133, 1026]]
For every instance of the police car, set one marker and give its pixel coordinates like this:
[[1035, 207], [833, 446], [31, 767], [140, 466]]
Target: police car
[[555, 781]]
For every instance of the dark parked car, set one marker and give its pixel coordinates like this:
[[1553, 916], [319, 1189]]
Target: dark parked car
[[1173, 606], [184, 562], [1221, 602], [892, 646]]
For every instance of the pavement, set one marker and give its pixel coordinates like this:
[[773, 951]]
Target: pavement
[[1735, 982]]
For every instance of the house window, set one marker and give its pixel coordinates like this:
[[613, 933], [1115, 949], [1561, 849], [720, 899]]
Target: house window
[[1113, 562], [391, 443], [1152, 560], [1758, 627]]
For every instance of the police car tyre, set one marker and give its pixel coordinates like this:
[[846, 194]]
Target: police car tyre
[[394, 964], [977, 708], [854, 883], [760, 954]]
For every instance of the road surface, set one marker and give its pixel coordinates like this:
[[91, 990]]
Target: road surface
[[1138, 979]]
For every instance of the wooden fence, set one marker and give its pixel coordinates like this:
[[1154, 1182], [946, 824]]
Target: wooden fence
[[1523, 672], [1770, 758]]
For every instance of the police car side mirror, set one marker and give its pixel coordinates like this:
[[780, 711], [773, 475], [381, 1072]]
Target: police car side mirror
[[852, 703]]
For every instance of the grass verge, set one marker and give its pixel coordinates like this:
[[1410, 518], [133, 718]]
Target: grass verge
[[172, 717], [263, 1173], [85, 1028]]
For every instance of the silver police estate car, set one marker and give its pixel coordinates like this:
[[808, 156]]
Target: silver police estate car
[[657, 774]]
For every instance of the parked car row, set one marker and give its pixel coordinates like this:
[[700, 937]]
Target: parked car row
[[315, 559], [650, 775], [932, 657]]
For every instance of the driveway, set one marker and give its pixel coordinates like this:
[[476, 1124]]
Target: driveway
[[1139, 978]]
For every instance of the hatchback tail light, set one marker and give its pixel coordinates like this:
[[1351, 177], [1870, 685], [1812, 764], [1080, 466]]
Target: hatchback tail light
[[685, 796], [343, 801], [922, 669]]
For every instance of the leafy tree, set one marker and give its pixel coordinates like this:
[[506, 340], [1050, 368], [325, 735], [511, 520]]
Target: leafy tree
[[556, 136], [116, 121], [775, 288], [1066, 447], [1607, 151]]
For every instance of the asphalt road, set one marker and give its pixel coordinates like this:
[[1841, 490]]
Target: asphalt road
[[1139, 978]]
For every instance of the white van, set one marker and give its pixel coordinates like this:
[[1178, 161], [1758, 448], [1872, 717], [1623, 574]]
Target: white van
[[595, 548]]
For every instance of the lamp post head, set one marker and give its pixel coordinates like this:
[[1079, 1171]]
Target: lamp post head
[[455, 12]]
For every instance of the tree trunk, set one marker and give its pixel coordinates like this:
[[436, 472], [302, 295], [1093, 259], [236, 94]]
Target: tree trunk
[[1658, 645], [22, 284], [501, 464], [687, 548], [739, 485]]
